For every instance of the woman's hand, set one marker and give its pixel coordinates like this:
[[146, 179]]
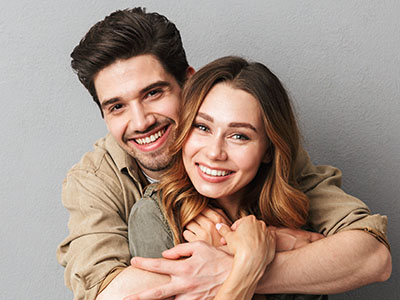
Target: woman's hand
[[253, 245], [202, 228], [249, 239]]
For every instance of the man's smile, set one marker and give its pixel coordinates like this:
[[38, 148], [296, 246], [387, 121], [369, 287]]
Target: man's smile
[[150, 138]]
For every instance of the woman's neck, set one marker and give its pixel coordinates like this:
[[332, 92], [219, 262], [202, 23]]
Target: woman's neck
[[231, 206]]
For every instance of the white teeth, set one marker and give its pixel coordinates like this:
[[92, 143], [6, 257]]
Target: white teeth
[[150, 139], [212, 172]]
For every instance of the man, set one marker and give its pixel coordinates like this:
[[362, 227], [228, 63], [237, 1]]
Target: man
[[134, 65]]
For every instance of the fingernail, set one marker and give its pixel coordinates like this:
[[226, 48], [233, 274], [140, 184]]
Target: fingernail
[[218, 226]]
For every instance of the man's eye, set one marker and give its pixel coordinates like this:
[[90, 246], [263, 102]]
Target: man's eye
[[201, 127], [153, 93], [238, 136], [116, 107]]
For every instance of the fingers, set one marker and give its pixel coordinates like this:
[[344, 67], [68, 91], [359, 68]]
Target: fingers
[[284, 241], [236, 224], [180, 250], [157, 265], [223, 229], [189, 236], [216, 215], [290, 239], [314, 236]]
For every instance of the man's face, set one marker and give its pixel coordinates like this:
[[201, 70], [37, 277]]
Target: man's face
[[140, 102]]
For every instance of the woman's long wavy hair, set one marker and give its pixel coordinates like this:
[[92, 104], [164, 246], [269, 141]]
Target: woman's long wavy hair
[[272, 195]]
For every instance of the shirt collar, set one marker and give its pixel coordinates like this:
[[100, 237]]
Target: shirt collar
[[124, 161]]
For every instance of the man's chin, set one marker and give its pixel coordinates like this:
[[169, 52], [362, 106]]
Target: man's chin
[[156, 164]]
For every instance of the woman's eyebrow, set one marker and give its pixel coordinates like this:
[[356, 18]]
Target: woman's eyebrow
[[205, 116], [241, 124], [232, 124]]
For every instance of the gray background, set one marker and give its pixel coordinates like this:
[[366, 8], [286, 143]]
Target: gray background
[[339, 59]]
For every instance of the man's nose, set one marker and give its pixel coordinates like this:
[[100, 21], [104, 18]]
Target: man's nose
[[141, 119], [216, 149]]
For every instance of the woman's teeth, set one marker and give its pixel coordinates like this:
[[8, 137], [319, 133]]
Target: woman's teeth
[[212, 172]]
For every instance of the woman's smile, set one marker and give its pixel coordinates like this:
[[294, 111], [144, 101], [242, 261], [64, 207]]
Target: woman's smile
[[223, 152]]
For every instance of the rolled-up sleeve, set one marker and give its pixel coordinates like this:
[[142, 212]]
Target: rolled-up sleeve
[[98, 240], [331, 209]]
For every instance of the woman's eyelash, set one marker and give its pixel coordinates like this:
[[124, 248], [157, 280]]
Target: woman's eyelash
[[239, 136], [200, 127]]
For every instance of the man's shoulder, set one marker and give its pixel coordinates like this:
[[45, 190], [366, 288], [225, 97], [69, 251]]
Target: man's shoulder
[[106, 167], [95, 160], [107, 157]]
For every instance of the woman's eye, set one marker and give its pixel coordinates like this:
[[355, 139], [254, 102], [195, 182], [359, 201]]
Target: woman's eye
[[238, 136], [201, 127]]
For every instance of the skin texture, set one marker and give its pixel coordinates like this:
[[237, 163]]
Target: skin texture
[[224, 143], [253, 246], [309, 269], [139, 102], [201, 275]]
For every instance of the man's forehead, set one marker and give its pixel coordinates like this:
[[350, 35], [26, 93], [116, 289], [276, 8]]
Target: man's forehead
[[130, 76]]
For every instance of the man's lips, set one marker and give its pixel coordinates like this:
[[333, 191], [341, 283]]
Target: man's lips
[[152, 140]]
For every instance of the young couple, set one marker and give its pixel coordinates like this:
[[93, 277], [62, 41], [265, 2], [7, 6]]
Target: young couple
[[235, 152]]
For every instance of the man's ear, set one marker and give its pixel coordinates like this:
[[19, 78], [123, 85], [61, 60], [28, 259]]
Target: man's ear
[[189, 72]]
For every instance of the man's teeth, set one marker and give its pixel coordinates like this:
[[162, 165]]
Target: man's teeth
[[150, 139], [212, 172]]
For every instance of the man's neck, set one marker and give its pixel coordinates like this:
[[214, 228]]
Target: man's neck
[[151, 177]]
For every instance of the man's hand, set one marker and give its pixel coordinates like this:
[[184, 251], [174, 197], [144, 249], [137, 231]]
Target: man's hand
[[196, 277]]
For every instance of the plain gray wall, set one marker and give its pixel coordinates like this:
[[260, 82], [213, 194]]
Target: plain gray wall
[[339, 60]]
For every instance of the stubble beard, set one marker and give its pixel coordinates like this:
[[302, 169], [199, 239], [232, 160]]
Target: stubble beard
[[156, 161]]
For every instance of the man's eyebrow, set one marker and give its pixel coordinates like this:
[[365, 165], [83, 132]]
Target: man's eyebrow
[[145, 90], [155, 85], [109, 102], [232, 124]]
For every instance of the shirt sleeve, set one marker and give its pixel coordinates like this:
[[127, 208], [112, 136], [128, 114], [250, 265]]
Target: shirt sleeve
[[98, 239], [331, 209]]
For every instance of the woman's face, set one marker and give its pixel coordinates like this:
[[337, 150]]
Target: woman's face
[[226, 144]]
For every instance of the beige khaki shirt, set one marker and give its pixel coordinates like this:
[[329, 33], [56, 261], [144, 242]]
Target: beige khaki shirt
[[100, 190]]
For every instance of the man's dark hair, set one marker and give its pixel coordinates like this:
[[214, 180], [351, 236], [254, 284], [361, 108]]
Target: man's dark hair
[[125, 34]]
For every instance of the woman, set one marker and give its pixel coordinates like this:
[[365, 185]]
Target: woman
[[235, 150]]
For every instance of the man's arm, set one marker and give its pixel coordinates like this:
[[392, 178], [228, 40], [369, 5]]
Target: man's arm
[[335, 264], [338, 263], [131, 281]]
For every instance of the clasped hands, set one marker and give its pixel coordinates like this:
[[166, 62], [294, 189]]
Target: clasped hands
[[198, 269]]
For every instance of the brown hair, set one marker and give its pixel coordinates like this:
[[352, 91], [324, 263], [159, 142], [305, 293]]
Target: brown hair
[[124, 34], [272, 196]]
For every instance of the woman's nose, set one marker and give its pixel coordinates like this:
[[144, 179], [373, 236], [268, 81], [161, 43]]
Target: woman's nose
[[216, 149]]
